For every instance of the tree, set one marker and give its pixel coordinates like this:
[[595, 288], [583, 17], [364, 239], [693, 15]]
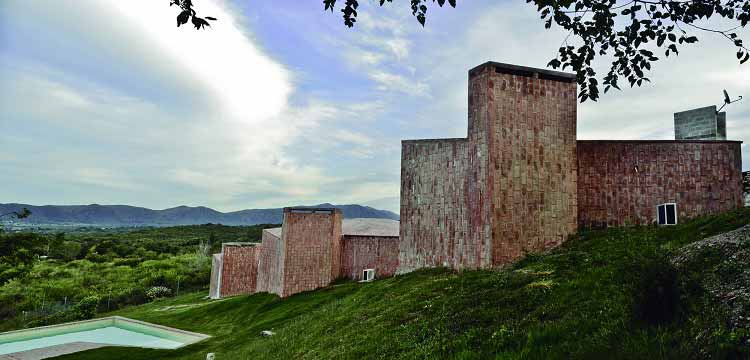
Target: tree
[[187, 12], [24, 213], [21, 248], [630, 31]]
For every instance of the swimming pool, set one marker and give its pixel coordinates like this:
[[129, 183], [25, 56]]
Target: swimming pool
[[48, 341]]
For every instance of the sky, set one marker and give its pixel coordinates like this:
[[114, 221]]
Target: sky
[[279, 103]]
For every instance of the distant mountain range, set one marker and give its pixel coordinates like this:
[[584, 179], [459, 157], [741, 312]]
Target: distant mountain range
[[124, 215]]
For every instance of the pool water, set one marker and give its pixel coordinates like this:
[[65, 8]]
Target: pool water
[[113, 331]]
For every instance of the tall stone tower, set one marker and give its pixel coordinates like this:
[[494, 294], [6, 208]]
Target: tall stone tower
[[525, 118], [311, 243], [506, 189]]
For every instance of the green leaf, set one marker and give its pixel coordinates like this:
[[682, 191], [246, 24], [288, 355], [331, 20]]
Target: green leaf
[[183, 17]]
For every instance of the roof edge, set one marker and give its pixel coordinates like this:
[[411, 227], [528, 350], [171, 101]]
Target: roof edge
[[524, 71], [661, 141]]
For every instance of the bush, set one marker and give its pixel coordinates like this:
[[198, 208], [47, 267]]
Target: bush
[[86, 308], [157, 292], [657, 298]]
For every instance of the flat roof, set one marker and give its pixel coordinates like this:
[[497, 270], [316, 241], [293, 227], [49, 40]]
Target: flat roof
[[504, 68], [434, 140], [274, 231], [370, 227], [660, 141], [240, 244], [360, 227], [302, 209]]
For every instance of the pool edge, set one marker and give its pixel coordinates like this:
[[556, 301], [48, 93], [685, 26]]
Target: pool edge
[[184, 337]]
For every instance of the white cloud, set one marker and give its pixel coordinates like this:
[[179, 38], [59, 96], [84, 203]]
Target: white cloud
[[104, 177], [229, 144], [251, 86], [397, 83]]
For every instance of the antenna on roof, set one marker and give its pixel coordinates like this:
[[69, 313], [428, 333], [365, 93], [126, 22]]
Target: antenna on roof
[[728, 101]]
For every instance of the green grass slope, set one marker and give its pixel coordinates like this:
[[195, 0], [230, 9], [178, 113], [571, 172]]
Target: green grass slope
[[604, 294]]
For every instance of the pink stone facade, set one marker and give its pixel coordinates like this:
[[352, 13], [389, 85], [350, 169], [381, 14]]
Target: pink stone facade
[[369, 252], [308, 252], [623, 182], [239, 268], [508, 188], [520, 181], [312, 250]]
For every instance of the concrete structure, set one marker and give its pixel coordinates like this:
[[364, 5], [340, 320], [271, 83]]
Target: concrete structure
[[520, 182], [746, 186], [313, 248], [700, 124]]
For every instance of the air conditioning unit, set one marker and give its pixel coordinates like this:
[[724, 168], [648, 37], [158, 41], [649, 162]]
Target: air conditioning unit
[[368, 275]]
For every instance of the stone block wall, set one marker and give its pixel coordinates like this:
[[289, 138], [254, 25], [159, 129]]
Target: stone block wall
[[700, 124], [528, 119], [312, 249], [746, 186], [506, 189], [369, 252], [239, 264], [270, 264], [440, 206], [702, 177]]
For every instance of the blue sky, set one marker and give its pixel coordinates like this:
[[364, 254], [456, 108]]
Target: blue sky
[[279, 103]]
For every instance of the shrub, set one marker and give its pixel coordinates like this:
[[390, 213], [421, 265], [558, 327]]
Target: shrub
[[86, 308], [657, 298], [157, 292]]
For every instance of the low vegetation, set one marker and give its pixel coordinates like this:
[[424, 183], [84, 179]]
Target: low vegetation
[[612, 294], [52, 277]]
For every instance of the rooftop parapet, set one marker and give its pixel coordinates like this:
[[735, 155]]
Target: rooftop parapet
[[503, 68], [312, 210]]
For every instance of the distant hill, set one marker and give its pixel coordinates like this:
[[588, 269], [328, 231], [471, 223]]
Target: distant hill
[[124, 215]]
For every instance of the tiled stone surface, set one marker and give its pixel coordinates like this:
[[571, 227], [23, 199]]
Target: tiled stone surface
[[369, 252], [508, 188], [239, 269], [312, 246], [531, 126], [437, 200], [701, 177], [746, 186], [270, 264]]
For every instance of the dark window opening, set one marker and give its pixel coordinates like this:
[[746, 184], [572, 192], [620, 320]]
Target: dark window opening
[[667, 214]]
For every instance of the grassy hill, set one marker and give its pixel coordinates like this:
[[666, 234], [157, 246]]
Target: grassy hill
[[605, 294]]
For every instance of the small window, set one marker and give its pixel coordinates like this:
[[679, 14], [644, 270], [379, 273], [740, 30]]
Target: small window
[[368, 274], [667, 214]]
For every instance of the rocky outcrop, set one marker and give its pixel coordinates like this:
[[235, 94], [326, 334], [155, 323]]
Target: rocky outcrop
[[722, 265]]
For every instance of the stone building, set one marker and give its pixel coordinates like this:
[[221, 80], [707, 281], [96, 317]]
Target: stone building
[[314, 247], [521, 182], [746, 186]]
